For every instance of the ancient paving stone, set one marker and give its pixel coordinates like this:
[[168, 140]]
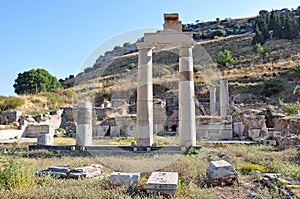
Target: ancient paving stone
[[162, 182], [124, 179], [221, 173]]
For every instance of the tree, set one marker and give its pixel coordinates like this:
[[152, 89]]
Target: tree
[[225, 58], [258, 37], [34, 81]]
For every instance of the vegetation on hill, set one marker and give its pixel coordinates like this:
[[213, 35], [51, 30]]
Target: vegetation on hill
[[280, 24]]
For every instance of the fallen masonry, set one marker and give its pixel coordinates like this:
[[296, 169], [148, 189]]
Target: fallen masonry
[[85, 172], [120, 179], [221, 173], [91, 171], [164, 183], [59, 172]]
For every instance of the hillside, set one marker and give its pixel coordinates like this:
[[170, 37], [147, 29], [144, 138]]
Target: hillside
[[116, 70]]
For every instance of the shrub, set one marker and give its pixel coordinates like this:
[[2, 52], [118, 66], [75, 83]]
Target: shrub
[[225, 58], [261, 50], [272, 86], [7, 103], [296, 71], [14, 174]]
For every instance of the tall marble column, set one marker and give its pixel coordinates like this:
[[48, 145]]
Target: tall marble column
[[186, 97], [144, 96], [224, 98], [212, 100]]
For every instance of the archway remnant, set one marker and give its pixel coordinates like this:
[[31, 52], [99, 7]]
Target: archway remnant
[[172, 34]]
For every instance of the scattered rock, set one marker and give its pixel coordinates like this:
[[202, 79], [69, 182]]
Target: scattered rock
[[85, 172], [124, 179], [3, 150]]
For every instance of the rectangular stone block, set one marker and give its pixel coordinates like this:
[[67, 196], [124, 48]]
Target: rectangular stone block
[[221, 172], [124, 179], [269, 142], [162, 182], [254, 133]]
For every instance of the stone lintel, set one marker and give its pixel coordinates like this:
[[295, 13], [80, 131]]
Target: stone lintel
[[168, 38], [144, 45]]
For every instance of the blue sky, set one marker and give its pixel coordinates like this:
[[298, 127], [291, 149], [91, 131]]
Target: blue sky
[[59, 35]]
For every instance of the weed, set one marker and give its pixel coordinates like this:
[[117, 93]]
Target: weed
[[248, 167]]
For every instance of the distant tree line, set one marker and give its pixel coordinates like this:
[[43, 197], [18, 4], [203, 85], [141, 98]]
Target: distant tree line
[[280, 24]]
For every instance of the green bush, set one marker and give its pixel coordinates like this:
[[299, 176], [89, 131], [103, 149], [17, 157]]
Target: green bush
[[272, 86], [248, 167], [261, 50]]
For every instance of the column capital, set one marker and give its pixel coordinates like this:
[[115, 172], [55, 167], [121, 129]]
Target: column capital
[[144, 46], [185, 45]]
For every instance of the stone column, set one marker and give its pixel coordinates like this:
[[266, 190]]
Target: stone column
[[144, 96], [224, 98], [186, 97], [212, 100], [84, 124]]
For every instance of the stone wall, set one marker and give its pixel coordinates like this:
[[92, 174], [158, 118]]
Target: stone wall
[[8, 117], [287, 125], [33, 131]]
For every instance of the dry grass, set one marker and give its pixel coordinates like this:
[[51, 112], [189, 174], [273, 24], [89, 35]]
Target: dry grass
[[191, 169]]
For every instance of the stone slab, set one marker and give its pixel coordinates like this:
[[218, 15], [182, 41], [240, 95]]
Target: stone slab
[[162, 182], [124, 179]]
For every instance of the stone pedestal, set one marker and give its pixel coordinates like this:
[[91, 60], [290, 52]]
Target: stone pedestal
[[186, 97], [144, 96], [84, 124], [45, 139]]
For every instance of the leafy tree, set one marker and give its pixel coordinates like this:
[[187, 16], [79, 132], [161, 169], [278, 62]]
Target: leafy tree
[[272, 86], [225, 58], [34, 81]]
